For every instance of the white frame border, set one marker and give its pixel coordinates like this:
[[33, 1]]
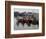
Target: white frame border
[[27, 31]]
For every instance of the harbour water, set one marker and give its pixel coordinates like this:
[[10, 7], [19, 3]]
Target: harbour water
[[25, 27]]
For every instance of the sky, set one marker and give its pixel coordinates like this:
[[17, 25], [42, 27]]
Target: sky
[[27, 10]]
